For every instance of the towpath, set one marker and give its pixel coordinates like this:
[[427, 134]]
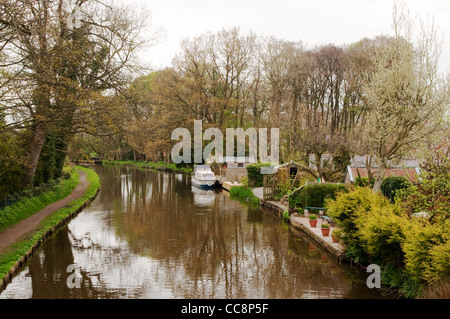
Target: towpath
[[18, 231]]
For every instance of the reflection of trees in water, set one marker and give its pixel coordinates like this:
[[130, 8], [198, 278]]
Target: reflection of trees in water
[[165, 245], [222, 254], [48, 272]]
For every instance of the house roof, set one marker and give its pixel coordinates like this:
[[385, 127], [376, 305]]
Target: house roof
[[411, 173], [360, 161]]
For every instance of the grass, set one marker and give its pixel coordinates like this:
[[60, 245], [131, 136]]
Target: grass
[[26, 207], [16, 251], [169, 166], [244, 194]]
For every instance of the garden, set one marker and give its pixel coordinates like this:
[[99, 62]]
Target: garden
[[405, 228]]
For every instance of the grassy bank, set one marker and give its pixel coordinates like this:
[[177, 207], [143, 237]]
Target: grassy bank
[[26, 207], [16, 252], [244, 193], [160, 165]]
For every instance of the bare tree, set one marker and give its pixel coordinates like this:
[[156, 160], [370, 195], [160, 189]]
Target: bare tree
[[407, 99]]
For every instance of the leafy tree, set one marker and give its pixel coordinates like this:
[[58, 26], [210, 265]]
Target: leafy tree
[[59, 75]]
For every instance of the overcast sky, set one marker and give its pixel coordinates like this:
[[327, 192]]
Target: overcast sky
[[312, 22]]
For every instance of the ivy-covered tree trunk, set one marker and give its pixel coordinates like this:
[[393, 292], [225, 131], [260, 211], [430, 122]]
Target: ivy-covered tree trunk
[[38, 136], [51, 161]]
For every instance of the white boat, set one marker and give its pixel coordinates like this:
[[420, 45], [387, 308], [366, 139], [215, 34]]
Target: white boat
[[203, 177]]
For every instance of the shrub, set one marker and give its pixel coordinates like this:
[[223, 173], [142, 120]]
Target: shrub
[[312, 217], [255, 178], [412, 252], [392, 184], [244, 181], [314, 195], [285, 215], [346, 209], [364, 182], [325, 225], [382, 232], [337, 234], [427, 251], [432, 196], [439, 268]]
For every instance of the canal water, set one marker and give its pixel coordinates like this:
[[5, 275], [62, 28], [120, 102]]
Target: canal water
[[150, 234]]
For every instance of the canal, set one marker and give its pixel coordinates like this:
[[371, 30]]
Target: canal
[[150, 234]]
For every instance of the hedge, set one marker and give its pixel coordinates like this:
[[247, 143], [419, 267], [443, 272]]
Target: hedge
[[255, 178], [314, 195], [392, 184]]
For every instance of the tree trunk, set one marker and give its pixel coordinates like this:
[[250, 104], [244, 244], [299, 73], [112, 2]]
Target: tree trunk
[[38, 136], [381, 171]]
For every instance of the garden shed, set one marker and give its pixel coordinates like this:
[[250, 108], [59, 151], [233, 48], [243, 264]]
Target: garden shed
[[286, 175]]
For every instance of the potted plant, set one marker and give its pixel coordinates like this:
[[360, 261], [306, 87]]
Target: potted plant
[[312, 220], [336, 235], [325, 229]]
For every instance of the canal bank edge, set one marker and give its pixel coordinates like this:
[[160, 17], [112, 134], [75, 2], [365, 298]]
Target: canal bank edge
[[74, 207], [300, 224]]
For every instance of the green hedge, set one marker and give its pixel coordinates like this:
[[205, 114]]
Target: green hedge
[[255, 178], [314, 195], [392, 184]]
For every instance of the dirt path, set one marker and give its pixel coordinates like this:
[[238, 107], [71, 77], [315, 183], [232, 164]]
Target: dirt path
[[16, 232]]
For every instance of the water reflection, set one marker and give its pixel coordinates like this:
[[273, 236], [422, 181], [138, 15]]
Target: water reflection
[[150, 235], [203, 197]]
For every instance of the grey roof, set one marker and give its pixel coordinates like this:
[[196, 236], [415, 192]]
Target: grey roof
[[360, 161]]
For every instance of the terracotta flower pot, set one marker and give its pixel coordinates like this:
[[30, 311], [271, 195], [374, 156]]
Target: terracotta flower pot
[[313, 223], [325, 231], [334, 238]]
